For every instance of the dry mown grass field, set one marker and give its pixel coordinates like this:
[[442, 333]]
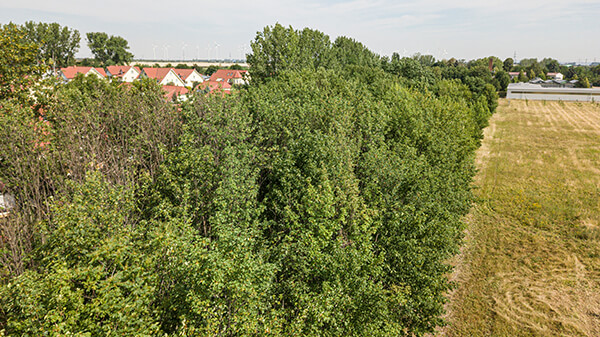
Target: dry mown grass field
[[531, 261]]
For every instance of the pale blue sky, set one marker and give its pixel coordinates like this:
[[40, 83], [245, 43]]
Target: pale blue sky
[[565, 30]]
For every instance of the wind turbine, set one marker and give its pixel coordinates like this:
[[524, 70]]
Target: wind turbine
[[154, 50], [183, 50], [208, 50], [166, 50], [198, 49], [245, 50], [217, 50]]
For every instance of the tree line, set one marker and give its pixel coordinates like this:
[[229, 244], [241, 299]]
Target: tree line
[[57, 45], [322, 199]]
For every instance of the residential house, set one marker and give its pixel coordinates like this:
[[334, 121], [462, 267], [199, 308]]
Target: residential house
[[513, 74], [175, 93], [190, 76], [230, 76], [69, 73], [125, 73], [214, 87], [164, 76], [554, 76]]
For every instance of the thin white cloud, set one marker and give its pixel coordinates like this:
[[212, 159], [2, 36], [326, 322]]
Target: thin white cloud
[[405, 21]]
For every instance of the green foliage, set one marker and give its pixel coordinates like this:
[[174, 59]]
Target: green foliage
[[18, 63], [584, 83], [274, 49], [94, 277], [324, 199], [508, 64], [348, 51], [57, 45], [522, 77], [211, 70], [236, 66], [424, 60], [531, 74], [346, 188], [502, 79], [109, 50], [551, 65], [277, 49], [314, 223], [220, 281], [411, 69]]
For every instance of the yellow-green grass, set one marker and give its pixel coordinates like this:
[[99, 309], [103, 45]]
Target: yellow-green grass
[[530, 265]]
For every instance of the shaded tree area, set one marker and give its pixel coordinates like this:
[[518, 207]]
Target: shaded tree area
[[323, 199]]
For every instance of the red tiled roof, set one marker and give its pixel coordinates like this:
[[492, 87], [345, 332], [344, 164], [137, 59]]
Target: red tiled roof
[[157, 73], [170, 90], [183, 73], [227, 74], [101, 71], [213, 86], [120, 71], [72, 71]]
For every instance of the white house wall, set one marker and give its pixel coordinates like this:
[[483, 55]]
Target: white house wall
[[94, 72], [131, 75], [172, 78], [194, 77]]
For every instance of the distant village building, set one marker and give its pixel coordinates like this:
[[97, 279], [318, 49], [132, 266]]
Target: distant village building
[[214, 87], [189, 76], [164, 76], [230, 76], [554, 76], [125, 73], [173, 93], [69, 73], [176, 83], [546, 91], [513, 74]]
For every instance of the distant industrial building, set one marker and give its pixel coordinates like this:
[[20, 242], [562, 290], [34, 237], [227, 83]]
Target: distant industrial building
[[541, 92]]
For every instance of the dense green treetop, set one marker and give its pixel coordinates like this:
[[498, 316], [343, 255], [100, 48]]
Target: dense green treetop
[[323, 199], [57, 45], [109, 50], [508, 64], [20, 67]]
